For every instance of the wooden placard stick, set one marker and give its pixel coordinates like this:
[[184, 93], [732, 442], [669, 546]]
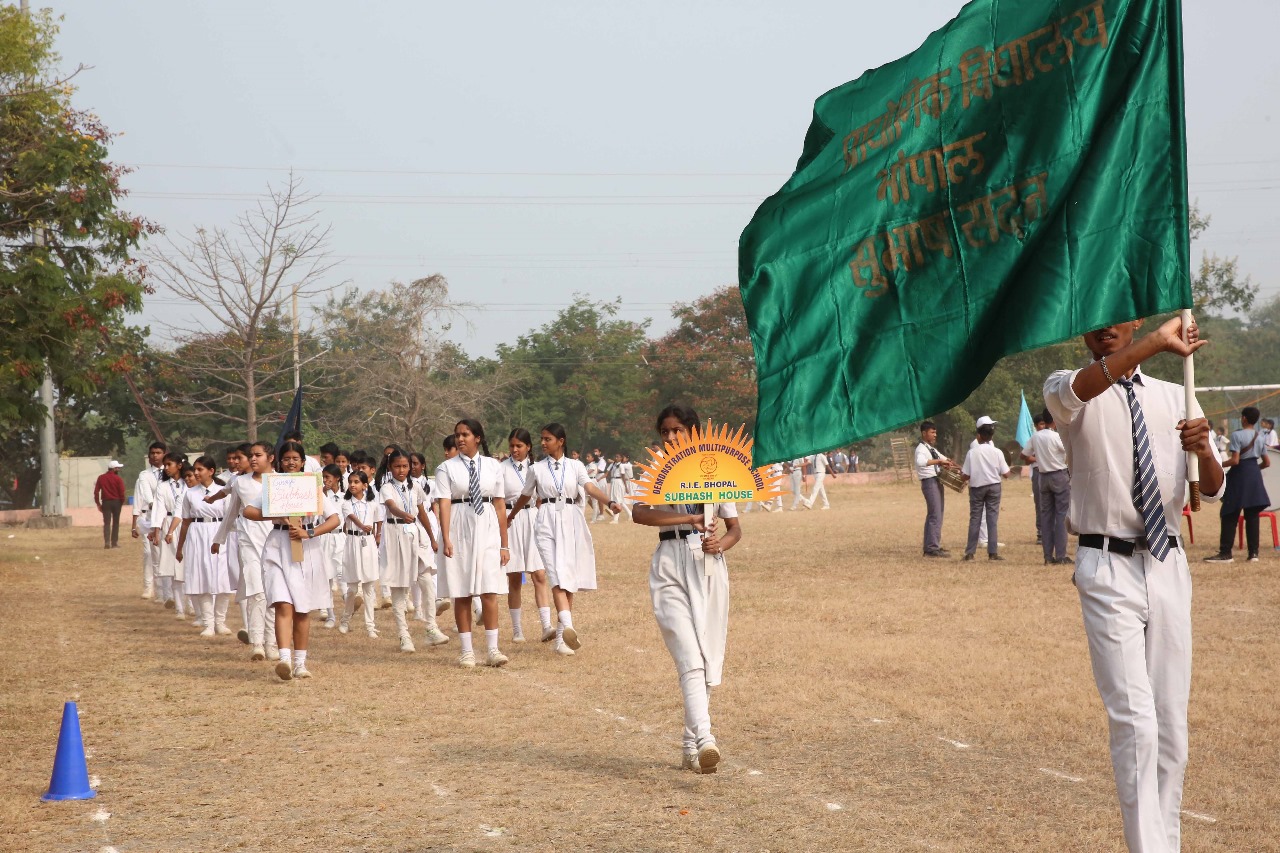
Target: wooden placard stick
[[1189, 390]]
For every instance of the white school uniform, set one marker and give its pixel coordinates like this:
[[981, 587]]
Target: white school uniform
[[426, 554], [561, 531], [521, 536], [334, 547], [144, 494], [476, 565], [303, 585], [361, 559], [205, 573], [690, 594], [167, 505], [251, 536], [400, 541]]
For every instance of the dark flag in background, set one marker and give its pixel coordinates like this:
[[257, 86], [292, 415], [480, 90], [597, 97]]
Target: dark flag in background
[[1019, 180], [292, 421]]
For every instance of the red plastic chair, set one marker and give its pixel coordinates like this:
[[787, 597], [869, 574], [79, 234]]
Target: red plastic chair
[[1275, 534], [1191, 530]]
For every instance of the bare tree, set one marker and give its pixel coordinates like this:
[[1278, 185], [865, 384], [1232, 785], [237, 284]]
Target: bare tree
[[409, 383], [242, 280]]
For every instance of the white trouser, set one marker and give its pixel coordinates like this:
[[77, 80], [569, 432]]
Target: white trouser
[[150, 556], [818, 489], [797, 489], [425, 594], [204, 609], [221, 604], [697, 708], [181, 603], [268, 620], [399, 598], [164, 587], [256, 621], [1137, 616], [367, 592]]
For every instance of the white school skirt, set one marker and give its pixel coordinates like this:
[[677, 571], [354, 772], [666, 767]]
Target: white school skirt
[[361, 563], [304, 585], [522, 538], [400, 543], [476, 565], [617, 490], [334, 552], [564, 544], [167, 565], [252, 539], [205, 573], [691, 605]]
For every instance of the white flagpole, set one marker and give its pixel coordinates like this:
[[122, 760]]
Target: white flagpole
[[1189, 390]]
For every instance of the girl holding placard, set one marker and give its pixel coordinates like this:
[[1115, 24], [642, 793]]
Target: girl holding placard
[[294, 589], [207, 577], [689, 586], [406, 505], [516, 469], [363, 517], [473, 523], [165, 519], [562, 486], [250, 540]]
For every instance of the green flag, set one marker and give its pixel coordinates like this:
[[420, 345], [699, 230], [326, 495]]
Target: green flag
[[1018, 180]]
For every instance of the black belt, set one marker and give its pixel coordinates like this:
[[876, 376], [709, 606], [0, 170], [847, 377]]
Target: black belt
[[468, 500], [398, 521], [214, 520], [668, 535], [1123, 547], [357, 533], [275, 526], [557, 500]]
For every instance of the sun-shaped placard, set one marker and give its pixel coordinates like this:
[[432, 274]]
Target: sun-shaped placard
[[707, 466]]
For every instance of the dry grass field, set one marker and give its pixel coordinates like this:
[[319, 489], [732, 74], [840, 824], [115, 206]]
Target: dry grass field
[[872, 701]]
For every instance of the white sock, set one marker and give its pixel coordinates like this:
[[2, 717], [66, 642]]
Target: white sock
[[559, 633], [566, 618], [515, 619], [544, 614], [465, 639], [300, 659], [491, 639], [286, 655]]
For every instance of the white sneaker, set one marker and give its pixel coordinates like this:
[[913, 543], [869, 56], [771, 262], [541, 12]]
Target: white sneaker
[[708, 757], [343, 628], [517, 637], [259, 653], [221, 630], [197, 623], [436, 637], [273, 652], [207, 632], [373, 635], [301, 671], [330, 622], [183, 615], [243, 636], [406, 644], [548, 634], [284, 671], [467, 660], [571, 639], [689, 761], [408, 606], [146, 593], [562, 649], [496, 658]]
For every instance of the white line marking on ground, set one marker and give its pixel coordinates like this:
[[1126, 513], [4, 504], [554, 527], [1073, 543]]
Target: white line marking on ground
[[1202, 817], [94, 781], [493, 831], [834, 807], [108, 849], [957, 744], [100, 816], [439, 792], [1059, 775], [754, 773], [878, 721]]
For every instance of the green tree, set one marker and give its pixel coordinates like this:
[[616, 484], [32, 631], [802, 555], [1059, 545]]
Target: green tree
[[67, 278]]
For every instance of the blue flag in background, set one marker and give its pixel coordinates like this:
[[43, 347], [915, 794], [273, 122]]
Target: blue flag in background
[[1025, 426]]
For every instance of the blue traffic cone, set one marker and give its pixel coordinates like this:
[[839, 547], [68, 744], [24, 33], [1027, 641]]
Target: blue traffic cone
[[70, 779]]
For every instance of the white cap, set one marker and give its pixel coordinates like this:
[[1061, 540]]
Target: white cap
[[985, 421], [114, 464]]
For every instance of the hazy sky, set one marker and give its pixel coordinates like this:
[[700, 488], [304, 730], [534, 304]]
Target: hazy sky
[[530, 151]]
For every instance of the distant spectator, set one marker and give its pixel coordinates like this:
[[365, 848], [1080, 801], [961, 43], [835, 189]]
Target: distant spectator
[[984, 468], [108, 496]]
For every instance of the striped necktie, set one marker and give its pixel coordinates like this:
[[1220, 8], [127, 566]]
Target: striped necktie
[[473, 486], [1146, 489]]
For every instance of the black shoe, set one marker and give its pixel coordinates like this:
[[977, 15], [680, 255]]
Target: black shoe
[[968, 558], [994, 557], [1253, 558], [1220, 557], [938, 554]]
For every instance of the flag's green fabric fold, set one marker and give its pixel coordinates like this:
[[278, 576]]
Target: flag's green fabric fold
[[1018, 180]]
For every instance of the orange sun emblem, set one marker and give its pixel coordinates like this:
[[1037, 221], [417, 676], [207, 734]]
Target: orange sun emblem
[[708, 464]]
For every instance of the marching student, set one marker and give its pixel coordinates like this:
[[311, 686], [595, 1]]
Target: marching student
[[619, 480], [429, 604], [690, 593], [418, 476], [364, 517], [294, 589], [984, 467], [144, 494], [473, 525], [564, 540], [164, 531], [250, 541], [334, 547], [524, 548], [450, 447], [343, 461], [405, 504], [238, 465], [796, 469], [821, 467], [207, 576]]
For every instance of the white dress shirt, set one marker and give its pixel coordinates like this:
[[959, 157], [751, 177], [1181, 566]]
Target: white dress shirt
[[985, 465], [1050, 453], [923, 469], [1098, 436]]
